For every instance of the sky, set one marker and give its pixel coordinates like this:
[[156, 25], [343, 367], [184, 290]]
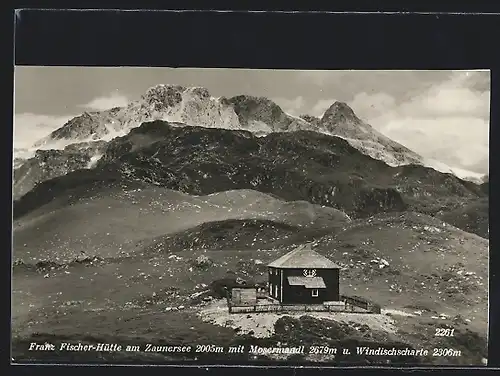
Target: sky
[[442, 115]]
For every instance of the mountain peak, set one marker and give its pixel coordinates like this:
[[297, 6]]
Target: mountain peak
[[199, 91], [340, 112], [163, 95], [168, 95], [163, 88]]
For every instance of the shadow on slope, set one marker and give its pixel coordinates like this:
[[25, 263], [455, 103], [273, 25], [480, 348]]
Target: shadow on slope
[[472, 217], [239, 234], [229, 234]]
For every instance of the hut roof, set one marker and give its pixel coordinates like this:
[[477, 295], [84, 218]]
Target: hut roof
[[304, 257]]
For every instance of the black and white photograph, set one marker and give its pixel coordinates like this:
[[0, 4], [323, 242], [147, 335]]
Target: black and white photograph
[[212, 216]]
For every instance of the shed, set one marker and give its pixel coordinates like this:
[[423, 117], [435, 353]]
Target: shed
[[303, 276], [244, 295]]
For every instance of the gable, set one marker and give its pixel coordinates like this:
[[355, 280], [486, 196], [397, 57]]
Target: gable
[[304, 257]]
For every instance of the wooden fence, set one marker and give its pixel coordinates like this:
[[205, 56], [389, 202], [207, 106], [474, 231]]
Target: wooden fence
[[285, 308], [351, 304]]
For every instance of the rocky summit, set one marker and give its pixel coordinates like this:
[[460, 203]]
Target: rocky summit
[[194, 106]]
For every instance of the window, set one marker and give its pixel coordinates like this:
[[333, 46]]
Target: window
[[270, 289], [276, 291], [314, 293]]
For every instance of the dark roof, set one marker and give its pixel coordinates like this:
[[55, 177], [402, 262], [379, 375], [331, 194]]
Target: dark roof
[[303, 257], [307, 282]]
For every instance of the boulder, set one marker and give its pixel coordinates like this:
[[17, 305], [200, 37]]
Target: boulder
[[203, 262]]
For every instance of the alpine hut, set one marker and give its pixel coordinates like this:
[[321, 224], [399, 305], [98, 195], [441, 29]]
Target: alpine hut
[[303, 276]]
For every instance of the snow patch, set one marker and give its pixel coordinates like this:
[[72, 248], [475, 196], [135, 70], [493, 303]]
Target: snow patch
[[20, 155], [60, 144], [259, 127], [460, 173], [113, 133], [94, 159]]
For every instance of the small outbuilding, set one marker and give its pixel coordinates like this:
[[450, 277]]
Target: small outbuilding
[[303, 276], [244, 296]]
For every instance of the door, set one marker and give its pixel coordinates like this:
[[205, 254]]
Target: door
[[236, 296]]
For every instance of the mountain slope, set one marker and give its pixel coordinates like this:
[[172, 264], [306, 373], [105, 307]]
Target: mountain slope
[[302, 165], [443, 266], [261, 115], [472, 217]]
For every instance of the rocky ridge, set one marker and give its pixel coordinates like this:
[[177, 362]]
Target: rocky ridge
[[48, 164], [194, 106]]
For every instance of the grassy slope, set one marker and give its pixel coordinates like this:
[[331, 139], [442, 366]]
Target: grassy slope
[[73, 302], [109, 223], [426, 257]]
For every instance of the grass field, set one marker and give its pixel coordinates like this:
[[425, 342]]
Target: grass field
[[143, 284]]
